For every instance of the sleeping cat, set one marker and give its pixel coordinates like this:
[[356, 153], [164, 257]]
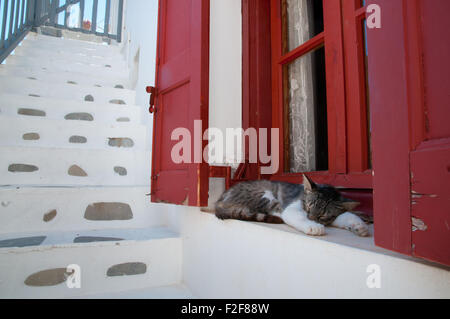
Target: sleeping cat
[[308, 207]]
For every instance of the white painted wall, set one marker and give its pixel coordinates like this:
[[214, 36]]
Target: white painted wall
[[233, 259], [225, 80], [225, 89], [139, 36]]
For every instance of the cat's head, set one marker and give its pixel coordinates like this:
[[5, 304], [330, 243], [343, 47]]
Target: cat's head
[[324, 203]]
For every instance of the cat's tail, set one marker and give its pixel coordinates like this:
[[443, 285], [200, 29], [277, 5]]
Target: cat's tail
[[232, 211]]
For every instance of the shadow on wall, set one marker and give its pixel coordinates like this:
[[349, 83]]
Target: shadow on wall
[[134, 73]]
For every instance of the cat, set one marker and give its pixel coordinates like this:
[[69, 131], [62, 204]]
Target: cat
[[308, 207]]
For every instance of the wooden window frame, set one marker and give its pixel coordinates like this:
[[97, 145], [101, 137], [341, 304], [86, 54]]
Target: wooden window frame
[[345, 74], [262, 106]]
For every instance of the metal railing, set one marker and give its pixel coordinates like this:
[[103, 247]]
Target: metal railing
[[18, 17]]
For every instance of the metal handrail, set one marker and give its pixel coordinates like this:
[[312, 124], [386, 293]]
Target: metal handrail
[[21, 16]]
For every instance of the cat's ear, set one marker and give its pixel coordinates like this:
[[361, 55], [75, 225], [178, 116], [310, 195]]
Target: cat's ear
[[309, 185], [349, 205]]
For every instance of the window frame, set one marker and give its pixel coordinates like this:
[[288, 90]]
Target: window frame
[[345, 68]]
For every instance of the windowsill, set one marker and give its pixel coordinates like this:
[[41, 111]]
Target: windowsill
[[338, 236], [341, 237], [347, 238]]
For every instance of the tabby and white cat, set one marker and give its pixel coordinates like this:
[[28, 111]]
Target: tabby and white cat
[[308, 207]]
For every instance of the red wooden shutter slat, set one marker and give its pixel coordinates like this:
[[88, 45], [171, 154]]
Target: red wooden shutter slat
[[390, 139]]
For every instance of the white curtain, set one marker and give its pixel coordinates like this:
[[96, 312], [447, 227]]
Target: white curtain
[[300, 85]]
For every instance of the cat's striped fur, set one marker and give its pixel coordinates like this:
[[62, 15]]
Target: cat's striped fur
[[308, 207]]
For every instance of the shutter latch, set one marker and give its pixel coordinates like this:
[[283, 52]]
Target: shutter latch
[[152, 91]]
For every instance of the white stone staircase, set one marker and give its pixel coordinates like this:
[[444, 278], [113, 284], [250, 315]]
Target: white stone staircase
[[74, 178]]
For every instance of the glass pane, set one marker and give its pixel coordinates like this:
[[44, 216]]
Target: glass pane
[[2, 8], [8, 17], [19, 6], [13, 17], [306, 109], [73, 16], [61, 16], [302, 20], [87, 14], [24, 21], [101, 16]]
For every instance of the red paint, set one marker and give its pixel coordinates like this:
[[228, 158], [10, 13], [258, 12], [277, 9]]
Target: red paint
[[356, 114], [365, 197], [390, 137], [277, 76], [429, 160], [435, 52], [343, 181], [256, 72], [303, 49], [152, 91], [182, 82], [411, 141], [430, 182], [335, 77]]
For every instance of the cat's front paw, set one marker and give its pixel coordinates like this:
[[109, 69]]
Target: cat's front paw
[[360, 229], [314, 229], [353, 223]]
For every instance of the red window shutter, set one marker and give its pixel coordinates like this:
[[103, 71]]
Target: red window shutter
[[181, 97], [411, 142], [430, 157]]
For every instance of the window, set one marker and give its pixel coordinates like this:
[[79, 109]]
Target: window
[[304, 88], [319, 91]]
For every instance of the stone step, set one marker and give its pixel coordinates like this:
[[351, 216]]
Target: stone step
[[41, 209], [75, 134], [62, 53], [70, 45], [179, 291], [62, 65], [145, 258], [37, 89], [73, 167], [64, 77], [57, 109]]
